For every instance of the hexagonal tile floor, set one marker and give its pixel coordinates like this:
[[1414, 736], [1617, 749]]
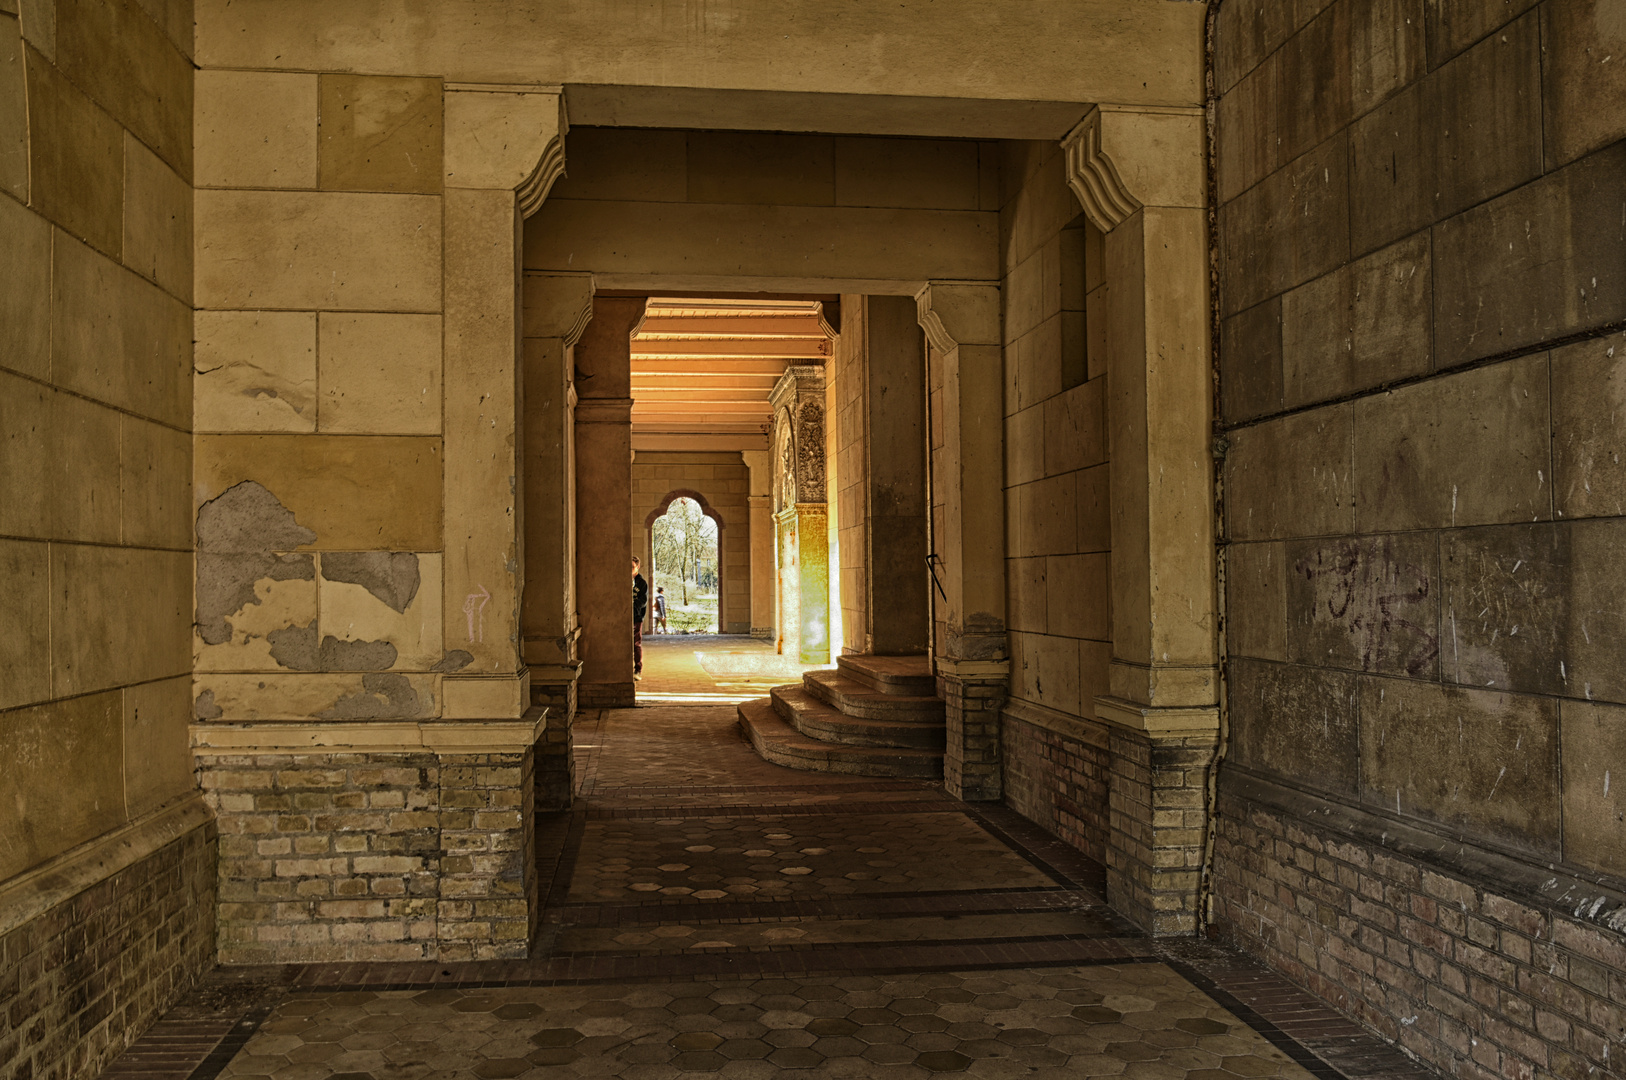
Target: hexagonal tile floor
[[1140, 1021]]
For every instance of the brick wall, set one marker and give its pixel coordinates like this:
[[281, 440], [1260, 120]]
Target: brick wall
[[1059, 781], [374, 856], [81, 981], [1473, 982]]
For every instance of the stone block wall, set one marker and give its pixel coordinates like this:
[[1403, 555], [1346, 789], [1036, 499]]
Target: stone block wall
[[374, 856], [725, 482], [82, 979], [1421, 365]]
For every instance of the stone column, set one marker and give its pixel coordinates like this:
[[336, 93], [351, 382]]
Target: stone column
[[962, 325], [802, 516], [603, 359], [557, 308], [761, 539], [1139, 173]]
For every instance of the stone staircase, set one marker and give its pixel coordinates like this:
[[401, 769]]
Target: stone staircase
[[871, 716]]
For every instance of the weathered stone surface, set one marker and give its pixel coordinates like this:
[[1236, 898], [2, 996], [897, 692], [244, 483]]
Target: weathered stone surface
[[1584, 86], [384, 598], [1594, 749], [1506, 603], [40, 814], [357, 492], [1246, 34], [1453, 25], [1464, 449], [1291, 477], [1289, 228], [1256, 600], [1297, 722], [76, 159], [25, 663], [13, 112], [25, 291], [255, 129], [1313, 82], [128, 65], [1075, 428], [1366, 604], [380, 133], [381, 695], [246, 539], [1083, 589], [1251, 361], [1246, 148], [1535, 264], [1479, 760], [1589, 398], [155, 484], [26, 436], [939, 175], [157, 220], [760, 167], [82, 469], [391, 576], [1467, 132], [1363, 325], [158, 756], [334, 251], [118, 338], [254, 371], [379, 374], [120, 616]]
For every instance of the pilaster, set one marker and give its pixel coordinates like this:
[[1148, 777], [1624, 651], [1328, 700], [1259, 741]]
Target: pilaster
[[801, 514]]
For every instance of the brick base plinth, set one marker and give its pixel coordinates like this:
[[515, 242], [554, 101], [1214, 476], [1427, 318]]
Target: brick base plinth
[[971, 769], [1404, 935], [555, 764], [375, 856], [1158, 813], [1059, 778], [80, 980]]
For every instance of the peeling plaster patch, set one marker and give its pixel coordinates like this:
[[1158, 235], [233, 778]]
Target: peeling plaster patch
[[455, 660], [339, 655], [238, 534], [381, 697], [204, 708], [294, 647], [392, 576]]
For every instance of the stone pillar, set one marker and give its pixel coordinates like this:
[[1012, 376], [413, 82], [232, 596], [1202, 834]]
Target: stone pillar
[[801, 514], [761, 538], [603, 359], [1139, 174], [557, 308], [962, 325]]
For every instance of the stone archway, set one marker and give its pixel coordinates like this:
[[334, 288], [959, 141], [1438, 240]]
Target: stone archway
[[648, 549]]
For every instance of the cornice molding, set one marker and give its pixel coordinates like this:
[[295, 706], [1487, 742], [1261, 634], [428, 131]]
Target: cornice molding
[[1121, 158], [955, 313], [506, 137], [1093, 176]]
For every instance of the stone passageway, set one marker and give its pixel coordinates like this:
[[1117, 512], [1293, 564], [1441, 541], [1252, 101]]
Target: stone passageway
[[709, 913]]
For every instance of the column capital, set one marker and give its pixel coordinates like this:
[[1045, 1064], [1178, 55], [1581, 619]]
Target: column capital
[[955, 313], [1120, 158], [505, 137], [558, 306]]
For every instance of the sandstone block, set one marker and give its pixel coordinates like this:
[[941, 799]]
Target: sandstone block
[[157, 220], [1075, 428], [255, 371], [760, 167], [938, 175], [1365, 604], [379, 374], [336, 251], [1292, 477], [358, 493], [1289, 228], [632, 165], [1507, 601], [158, 764], [382, 609], [1246, 125], [155, 484], [1589, 396], [1313, 82], [81, 467], [76, 159], [255, 129], [1584, 90], [1535, 264], [1453, 25], [380, 133], [1479, 760], [1081, 585], [1025, 446], [1465, 449], [1256, 604], [1025, 588], [81, 738], [263, 696], [25, 665], [13, 112], [1594, 746], [274, 629], [1251, 360], [25, 290], [120, 615], [128, 65]]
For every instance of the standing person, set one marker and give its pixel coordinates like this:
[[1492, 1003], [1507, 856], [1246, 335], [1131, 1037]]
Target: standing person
[[640, 604], [660, 610]]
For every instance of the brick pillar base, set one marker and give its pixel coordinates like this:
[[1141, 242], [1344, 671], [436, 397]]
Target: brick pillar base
[[1158, 815], [974, 692], [555, 762]]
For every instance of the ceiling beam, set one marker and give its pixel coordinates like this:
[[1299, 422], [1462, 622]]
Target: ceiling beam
[[683, 440], [718, 366], [789, 348], [766, 326]]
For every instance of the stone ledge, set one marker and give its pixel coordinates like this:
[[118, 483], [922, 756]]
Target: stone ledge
[[34, 892], [1156, 721], [375, 736], [1082, 729], [1543, 885]]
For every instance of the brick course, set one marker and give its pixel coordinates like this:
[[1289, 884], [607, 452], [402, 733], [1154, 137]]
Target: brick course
[[80, 982], [1470, 981], [374, 856]]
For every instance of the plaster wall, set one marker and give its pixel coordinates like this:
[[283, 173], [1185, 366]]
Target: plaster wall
[[725, 482], [1421, 300], [96, 167]]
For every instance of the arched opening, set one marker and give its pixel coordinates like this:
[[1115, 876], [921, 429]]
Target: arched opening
[[685, 544]]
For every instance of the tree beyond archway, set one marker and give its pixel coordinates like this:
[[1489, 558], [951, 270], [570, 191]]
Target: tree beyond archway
[[685, 550]]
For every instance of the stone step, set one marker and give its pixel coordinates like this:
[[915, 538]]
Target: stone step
[[819, 720], [910, 676], [778, 742], [855, 698]]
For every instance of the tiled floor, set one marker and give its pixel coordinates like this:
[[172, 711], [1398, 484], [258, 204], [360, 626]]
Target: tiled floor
[[711, 669], [707, 913]]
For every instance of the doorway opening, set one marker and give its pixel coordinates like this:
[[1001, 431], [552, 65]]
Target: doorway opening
[[687, 578]]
